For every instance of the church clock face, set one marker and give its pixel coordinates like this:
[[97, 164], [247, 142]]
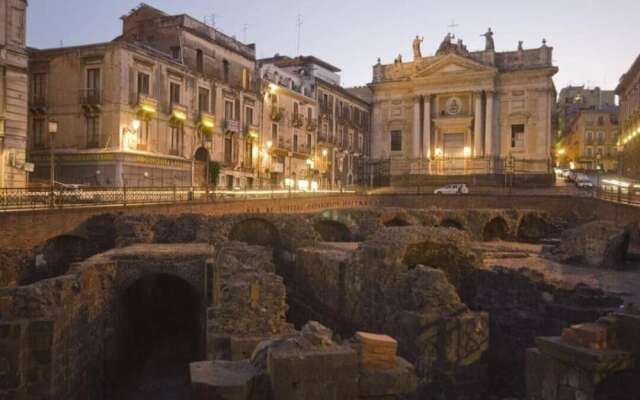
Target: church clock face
[[454, 106]]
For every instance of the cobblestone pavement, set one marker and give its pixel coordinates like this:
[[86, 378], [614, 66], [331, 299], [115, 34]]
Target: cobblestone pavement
[[626, 284]]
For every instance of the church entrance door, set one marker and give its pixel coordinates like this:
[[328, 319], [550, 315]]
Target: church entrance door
[[453, 147]]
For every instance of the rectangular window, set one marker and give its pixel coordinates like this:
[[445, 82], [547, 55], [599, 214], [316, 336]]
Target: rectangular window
[[589, 152], [309, 142], [174, 93], [295, 109], [228, 110], [274, 133], [38, 86], [199, 60], [225, 70], [143, 133], [517, 136], [38, 132], [203, 100], [589, 137], [176, 53], [93, 78], [396, 140], [176, 139], [93, 131], [248, 116], [309, 114], [143, 84], [295, 142]]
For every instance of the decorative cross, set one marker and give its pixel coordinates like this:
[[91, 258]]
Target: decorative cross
[[453, 27]]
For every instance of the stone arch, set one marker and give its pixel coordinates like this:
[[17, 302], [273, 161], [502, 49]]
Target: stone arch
[[396, 221], [60, 252], [496, 229], [624, 385], [333, 231], [534, 227], [255, 232], [160, 331], [452, 223], [201, 166]]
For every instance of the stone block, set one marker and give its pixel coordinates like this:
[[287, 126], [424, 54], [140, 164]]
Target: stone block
[[241, 348], [298, 371], [222, 380], [376, 351], [591, 336], [390, 382]]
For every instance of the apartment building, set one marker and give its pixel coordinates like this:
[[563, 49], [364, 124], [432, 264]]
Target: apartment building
[[13, 94], [591, 141], [171, 101], [629, 142]]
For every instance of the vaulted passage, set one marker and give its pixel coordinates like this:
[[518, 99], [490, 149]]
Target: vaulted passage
[[333, 231], [451, 223], [397, 221], [160, 335], [496, 229], [256, 232]]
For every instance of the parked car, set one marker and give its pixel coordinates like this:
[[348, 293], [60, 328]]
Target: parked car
[[454, 188], [583, 181]]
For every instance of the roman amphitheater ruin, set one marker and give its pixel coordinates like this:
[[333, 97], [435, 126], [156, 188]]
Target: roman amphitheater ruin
[[374, 298]]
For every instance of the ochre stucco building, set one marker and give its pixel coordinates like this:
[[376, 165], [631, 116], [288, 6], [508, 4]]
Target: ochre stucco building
[[474, 115], [13, 94], [629, 142]]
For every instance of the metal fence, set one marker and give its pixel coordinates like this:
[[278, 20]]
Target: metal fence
[[66, 197]]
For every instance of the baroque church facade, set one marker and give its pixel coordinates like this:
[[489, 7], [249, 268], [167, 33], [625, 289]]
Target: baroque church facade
[[478, 115]]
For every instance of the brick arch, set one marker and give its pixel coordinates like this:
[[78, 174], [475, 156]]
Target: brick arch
[[256, 232], [160, 323], [534, 227], [496, 229], [333, 231], [452, 223], [397, 220], [61, 251]]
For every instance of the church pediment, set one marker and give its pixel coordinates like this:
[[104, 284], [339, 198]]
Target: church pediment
[[450, 66]]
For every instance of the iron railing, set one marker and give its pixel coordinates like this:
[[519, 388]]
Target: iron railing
[[67, 196]]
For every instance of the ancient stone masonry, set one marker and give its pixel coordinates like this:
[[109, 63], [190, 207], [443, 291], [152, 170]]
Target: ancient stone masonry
[[309, 366], [388, 285], [94, 312], [592, 361]]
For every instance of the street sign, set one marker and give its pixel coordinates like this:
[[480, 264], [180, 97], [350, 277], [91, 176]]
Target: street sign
[[29, 167]]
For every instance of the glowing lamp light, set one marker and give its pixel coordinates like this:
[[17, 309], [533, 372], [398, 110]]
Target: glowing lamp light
[[325, 152], [572, 165], [273, 87], [179, 115], [562, 152], [208, 123], [303, 185], [314, 186], [438, 152], [310, 162], [467, 151], [135, 124], [288, 182], [148, 108]]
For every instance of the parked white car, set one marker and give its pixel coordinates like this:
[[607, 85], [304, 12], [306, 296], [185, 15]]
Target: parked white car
[[454, 188], [583, 181]]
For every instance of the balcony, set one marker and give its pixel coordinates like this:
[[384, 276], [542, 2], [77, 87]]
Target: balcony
[[147, 104], [38, 104], [178, 112], [206, 121], [251, 130], [312, 124], [297, 121], [277, 113], [232, 126], [90, 100]]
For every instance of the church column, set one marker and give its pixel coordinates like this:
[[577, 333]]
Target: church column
[[416, 128], [477, 131], [426, 142], [488, 131]]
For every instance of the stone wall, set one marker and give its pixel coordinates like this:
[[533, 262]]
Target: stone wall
[[375, 287], [35, 227]]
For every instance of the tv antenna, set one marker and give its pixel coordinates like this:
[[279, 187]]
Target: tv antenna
[[245, 28], [211, 19], [299, 26]]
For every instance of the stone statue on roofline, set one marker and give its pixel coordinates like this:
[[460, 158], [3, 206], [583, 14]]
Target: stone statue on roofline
[[489, 45], [417, 52]]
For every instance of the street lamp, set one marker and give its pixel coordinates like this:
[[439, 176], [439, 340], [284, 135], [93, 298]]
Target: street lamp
[[53, 130]]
